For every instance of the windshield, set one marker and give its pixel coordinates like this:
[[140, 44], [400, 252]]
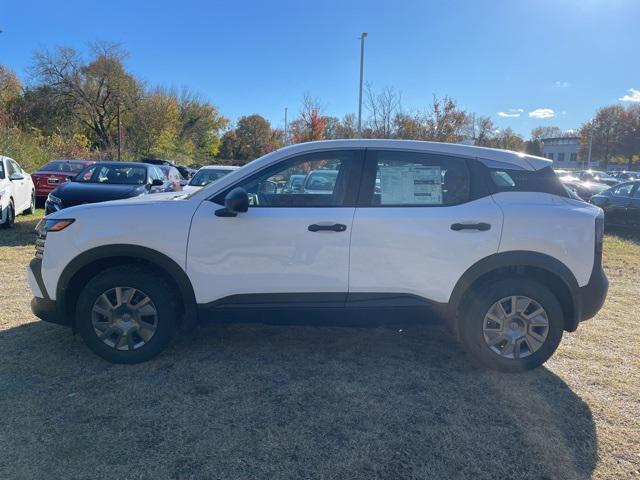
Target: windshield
[[113, 175], [62, 166], [207, 175]]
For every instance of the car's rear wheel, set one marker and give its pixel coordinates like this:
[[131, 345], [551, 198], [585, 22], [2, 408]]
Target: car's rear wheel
[[32, 205], [10, 216], [511, 325], [126, 314]]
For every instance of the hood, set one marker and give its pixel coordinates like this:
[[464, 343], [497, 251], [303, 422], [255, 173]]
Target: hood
[[77, 193]]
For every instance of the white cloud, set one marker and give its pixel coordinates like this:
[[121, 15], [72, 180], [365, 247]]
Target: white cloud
[[560, 84], [511, 113], [542, 113], [634, 97]]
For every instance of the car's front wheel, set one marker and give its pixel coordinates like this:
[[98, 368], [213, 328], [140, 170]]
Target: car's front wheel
[[512, 325], [126, 314]]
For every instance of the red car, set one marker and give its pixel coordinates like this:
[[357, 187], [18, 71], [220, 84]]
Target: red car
[[48, 177]]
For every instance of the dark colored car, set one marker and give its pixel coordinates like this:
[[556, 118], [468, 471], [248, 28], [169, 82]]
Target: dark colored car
[[621, 205], [47, 178], [585, 190], [105, 181], [598, 177], [625, 175]]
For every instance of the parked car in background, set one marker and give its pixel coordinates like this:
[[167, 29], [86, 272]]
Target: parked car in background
[[295, 184], [597, 176], [48, 177], [17, 192], [320, 181], [624, 175], [105, 181], [585, 190], [488, 238], [173, 175], [206, 175], [621, 205], [185, 172]]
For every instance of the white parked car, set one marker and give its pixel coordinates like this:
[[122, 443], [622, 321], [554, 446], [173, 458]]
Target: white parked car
[[488, 238], [17, 192], [206, 175]]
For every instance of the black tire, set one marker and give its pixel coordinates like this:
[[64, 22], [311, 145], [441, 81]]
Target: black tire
[[147, 282], [11, 216], [32, 205], [479, 302]]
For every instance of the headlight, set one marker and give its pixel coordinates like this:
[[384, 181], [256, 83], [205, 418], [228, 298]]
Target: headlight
[[53, 199], [52, 225]]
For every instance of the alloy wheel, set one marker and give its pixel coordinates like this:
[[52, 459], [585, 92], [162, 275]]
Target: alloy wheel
[[124, 318], [515, 327]]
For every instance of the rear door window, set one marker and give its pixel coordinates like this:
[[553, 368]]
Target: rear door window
[[415, 179]]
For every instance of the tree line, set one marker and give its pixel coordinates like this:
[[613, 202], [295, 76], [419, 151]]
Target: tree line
[[92, 106]]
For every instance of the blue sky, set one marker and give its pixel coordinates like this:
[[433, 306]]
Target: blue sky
[[514, 57]]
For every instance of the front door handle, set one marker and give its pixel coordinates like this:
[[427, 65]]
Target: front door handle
[[483, 227], [336, 227]]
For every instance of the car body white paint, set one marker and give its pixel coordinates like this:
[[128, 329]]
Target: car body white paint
[[18, 190], [269, 250]]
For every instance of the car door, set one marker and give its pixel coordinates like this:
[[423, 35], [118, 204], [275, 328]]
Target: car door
[[288, 247], [617, 209], [21, 187], [418, 227]]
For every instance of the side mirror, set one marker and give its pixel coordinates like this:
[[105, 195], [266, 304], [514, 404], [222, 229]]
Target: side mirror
[[16, 176], [70, 178], [184, 183], [236, 201], [156, 182]]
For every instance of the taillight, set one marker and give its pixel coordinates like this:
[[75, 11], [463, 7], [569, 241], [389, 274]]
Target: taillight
[[599, 232]]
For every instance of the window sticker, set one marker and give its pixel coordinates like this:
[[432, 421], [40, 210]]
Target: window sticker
[[410, 185]]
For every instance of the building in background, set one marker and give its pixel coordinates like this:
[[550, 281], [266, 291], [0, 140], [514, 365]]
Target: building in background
[[562, 150]]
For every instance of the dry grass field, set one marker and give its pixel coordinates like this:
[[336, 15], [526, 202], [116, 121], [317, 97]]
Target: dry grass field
[[254, 401]]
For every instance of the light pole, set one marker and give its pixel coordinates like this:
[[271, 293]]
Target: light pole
[[590, 145], [286, 133], [362, 37]]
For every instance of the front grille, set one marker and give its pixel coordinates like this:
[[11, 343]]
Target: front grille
[[40, 244]]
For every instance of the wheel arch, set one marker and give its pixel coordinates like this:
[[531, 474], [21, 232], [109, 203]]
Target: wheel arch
[[548, 270], [91, 262]]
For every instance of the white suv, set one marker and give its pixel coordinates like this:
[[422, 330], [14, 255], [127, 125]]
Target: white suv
[[488, 238], [17, 192]]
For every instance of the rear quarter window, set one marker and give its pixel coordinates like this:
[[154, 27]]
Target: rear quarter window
[[544, 180]]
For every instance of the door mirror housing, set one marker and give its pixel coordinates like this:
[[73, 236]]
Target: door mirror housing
[[16, 176], [236, 201], [156, 182]]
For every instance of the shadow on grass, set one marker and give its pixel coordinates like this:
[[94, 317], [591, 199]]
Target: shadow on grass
[[260, 401], [22, 233]]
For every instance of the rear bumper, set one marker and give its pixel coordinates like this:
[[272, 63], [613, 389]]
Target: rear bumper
[[594, 293]]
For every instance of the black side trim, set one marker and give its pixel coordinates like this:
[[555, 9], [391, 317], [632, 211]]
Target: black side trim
[[36, 267], [518, 258], [277, 301], [391, 300], [135, 252]]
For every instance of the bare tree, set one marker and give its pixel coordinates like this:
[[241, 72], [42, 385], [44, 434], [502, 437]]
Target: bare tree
[[383, 107], [93, 89]]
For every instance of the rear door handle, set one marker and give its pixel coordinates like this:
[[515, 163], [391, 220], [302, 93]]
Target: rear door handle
[[483, 227], [336, 227]]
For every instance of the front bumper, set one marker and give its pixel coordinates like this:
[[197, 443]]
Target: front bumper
[[41, 305], [47, 310]]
